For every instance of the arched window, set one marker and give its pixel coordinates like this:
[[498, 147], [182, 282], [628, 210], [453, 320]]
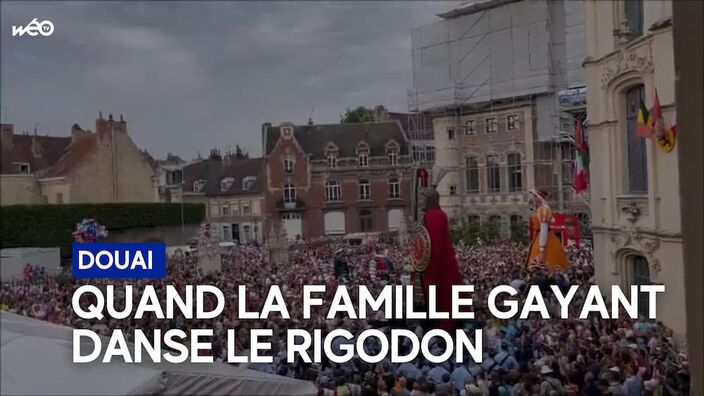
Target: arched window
[[365, 220], [495, 225], [635, 145]]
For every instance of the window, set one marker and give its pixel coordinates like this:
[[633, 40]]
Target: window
[[490, 125], [418, 153], [472, 170], [365, 220], [453, 189], [288, 164], [495, 224], [515, 172], [23, 167], [430, 153], [363, 160], [641, 276], [365, 192], [59, 198], [332, 160], [493, 173], [450, 133], [633, 10], [333, 191], [246, 210], [45, 199], [394, 188], [636, 149], [174, 177], [225, 210], [289, 193], [226, 183], [474, 220], [393, 157], [248, 182], [512, 122], [469, 128], [226, 233], [198, 185]]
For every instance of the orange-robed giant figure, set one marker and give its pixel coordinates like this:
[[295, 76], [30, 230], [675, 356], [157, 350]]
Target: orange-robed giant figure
[[442, 270], [545, 248]]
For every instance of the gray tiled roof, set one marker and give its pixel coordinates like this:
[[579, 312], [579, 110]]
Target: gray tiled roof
[[314, 138], [213, 171]]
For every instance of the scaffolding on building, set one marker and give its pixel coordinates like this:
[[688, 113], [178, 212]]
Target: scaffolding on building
[[553, 158]]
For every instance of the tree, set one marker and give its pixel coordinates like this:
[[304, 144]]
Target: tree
[[240, 153], [362, 114]]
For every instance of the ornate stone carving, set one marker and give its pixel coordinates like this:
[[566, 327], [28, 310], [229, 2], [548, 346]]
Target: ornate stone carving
[[632, 211], [625, 61]]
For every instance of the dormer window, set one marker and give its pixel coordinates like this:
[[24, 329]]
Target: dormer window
[[174, 177], [392, 153], [23, 167], [363, 159], [226, 183], [332, 160], [248, 182], [198, 185]]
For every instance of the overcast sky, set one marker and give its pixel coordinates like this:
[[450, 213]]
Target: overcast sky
[[189, 77]]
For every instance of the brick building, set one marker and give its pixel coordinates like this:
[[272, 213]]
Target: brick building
[[337, 179]]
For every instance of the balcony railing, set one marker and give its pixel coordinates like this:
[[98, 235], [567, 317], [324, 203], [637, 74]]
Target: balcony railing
[[373, 162], [297, 204]]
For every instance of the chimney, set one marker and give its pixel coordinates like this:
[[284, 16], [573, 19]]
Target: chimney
[[265, 130], [36, 147], [8, 130], [77, 133], [102, 128]]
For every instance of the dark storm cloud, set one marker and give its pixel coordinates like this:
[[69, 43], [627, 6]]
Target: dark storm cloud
[[193, 76]]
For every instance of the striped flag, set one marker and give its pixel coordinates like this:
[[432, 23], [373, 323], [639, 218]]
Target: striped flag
[[581, 161], [644, 125]]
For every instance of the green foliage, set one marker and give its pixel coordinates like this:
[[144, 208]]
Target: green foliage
[[53, 225], [470, 233], [360, 114], [519, 233]]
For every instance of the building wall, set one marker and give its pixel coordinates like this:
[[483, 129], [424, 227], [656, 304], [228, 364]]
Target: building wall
[[56, 191], [626, 224], [130, 178], [310, 191], [19, 189], [220, 218], [453, 154]]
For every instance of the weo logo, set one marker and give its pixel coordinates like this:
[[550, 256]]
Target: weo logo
[[119, 260], [33, 28]]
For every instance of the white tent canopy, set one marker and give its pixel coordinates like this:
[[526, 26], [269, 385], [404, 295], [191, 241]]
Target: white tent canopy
[[35, 359]]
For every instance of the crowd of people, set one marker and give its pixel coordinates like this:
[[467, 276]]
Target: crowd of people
[[521, 357]]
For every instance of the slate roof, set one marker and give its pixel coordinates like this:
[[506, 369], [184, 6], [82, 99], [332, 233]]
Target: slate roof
[[314, 138], [213, 171], [51, 149], [416, 126]]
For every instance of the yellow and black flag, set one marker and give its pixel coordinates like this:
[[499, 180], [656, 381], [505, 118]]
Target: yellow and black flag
[[644, 124]]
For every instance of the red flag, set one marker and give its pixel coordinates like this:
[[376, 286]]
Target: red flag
[[656, 116]]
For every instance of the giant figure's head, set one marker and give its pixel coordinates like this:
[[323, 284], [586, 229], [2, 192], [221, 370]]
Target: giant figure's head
[[432, 199]]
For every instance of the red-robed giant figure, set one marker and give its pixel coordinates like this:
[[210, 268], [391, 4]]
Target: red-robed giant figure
[[442, 270]]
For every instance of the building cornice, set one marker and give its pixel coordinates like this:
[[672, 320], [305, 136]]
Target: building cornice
[[605, 229]]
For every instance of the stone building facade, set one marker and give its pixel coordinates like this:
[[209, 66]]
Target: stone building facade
[[232, 191], [485, 153], [634, 184], [337, 179], [88, 167]]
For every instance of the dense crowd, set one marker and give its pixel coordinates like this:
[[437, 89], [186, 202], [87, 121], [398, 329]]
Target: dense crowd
[[521, 357]]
